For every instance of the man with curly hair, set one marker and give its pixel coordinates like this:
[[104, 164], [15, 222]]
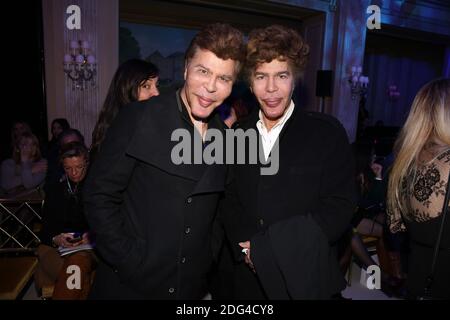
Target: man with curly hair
[[281, 228]]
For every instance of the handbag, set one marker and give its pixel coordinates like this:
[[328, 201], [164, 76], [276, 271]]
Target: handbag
[[427, 294]]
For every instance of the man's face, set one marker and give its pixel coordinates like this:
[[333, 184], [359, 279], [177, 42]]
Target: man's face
[[75, 168], [209, 81], [273, 83]]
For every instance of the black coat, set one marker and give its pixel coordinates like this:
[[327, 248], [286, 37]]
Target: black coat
[[152, 218], [315, 178], [294, 260]]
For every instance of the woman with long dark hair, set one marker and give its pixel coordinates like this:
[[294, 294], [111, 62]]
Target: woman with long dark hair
[[134, 80]]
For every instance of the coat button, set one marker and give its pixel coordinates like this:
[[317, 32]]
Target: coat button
[[171, 290], [187, 230], [183, 260], [189, 200], [261, 222]]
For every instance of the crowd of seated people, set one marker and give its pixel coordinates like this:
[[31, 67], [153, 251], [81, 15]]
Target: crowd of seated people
[[59, 179], [58, 182]]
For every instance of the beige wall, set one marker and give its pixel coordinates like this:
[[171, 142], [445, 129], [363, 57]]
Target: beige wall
[[99, 26]]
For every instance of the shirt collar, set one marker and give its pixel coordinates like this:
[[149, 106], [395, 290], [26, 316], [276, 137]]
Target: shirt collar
[[261, 126]]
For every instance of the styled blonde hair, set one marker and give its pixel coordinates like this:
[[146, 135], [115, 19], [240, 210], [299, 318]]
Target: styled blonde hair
[[36, 156], [428, 121]]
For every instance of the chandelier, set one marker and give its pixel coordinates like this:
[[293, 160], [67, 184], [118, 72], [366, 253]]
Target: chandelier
[[80, 65], [358, 82]]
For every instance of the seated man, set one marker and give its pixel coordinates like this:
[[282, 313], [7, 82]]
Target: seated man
[[64, 227]]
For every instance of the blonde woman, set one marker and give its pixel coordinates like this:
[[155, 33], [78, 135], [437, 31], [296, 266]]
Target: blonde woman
[[26, 169], [417, 187]]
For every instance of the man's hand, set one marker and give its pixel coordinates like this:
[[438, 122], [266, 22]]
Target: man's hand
[[63, 240], [86, 239], [246, 246]]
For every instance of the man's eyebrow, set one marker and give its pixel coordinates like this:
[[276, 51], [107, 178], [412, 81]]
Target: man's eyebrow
[[227, 76], [266, 73], [209, 70], [202, 66]]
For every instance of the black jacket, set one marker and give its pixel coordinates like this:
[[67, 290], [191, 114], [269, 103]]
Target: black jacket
[[152, 218], [315, 178], [294, 260], [63, 211]]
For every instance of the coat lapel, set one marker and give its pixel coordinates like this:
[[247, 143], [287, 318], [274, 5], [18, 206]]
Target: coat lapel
[[152, 144], [152, 141]]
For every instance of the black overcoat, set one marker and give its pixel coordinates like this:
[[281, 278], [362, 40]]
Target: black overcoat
[[315, 179], [152, 218]]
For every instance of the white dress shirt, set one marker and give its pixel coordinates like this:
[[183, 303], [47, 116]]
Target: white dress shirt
[[268, 138]]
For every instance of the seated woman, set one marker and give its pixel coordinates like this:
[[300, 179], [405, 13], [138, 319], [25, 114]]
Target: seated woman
[[369, 221], [26, 169], [63, 217], [17, 130]]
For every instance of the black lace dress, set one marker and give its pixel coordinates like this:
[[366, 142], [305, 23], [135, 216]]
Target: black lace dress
[[424, 192]]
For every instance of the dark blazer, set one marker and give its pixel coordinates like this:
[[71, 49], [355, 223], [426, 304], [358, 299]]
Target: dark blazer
[[152, 218], [315, 178]]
